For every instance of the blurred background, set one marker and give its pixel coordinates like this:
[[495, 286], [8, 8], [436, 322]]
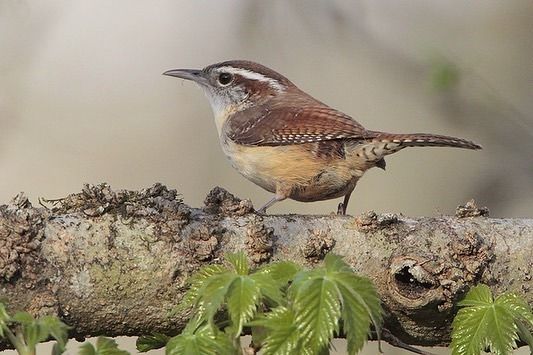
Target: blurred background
[[82, 98]]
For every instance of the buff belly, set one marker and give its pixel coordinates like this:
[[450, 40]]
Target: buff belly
[[296, 171]]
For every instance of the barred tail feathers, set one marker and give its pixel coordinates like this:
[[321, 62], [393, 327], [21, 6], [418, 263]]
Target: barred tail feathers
[[425, 140], [382, 144]]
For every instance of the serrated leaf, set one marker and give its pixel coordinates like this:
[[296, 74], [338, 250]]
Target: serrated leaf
[[196, 282], [317, 311], [242, 299], [239, 262], [335, 263], [480, 295], [106, 346], [52, 326], [518, 307], [199, 341], [483, 322], [503, 335], [283, 337], [214, 292], [469, 330], [281, 272], [361, 307], [270, 289], [145, 343], [300, 279]]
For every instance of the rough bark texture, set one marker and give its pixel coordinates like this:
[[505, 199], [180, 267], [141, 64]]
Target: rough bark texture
[[116, 263]]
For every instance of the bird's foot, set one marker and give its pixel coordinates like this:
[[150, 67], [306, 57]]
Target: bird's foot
[[341, 209]]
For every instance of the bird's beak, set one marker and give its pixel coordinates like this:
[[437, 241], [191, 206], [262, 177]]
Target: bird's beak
[[195, 75]]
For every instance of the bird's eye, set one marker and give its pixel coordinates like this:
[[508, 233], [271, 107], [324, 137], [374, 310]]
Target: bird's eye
[[225, 78]]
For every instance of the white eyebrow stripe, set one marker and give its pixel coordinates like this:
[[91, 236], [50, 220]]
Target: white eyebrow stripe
[[248, 74]]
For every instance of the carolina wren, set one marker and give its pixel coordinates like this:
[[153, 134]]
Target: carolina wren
[[289, 143]]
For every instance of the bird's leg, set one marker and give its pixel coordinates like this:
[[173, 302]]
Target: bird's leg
[[341, 210], [272, 201], [281, 194]]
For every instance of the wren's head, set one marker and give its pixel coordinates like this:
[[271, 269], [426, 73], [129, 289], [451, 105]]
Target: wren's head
[[235, 85]]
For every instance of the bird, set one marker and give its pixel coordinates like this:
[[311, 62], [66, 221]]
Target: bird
[[289, 143]]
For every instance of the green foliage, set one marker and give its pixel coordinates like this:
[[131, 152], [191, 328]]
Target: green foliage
[[149, 342], [484, 322], [25, 332], [4, 320], [283, 334], [289, 311], [104, 346], [199, 337]]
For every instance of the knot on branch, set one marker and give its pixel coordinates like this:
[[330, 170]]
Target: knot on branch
[[413, 281], [220, 201]]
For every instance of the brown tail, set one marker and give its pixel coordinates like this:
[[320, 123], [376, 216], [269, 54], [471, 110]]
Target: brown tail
[[424, 140]]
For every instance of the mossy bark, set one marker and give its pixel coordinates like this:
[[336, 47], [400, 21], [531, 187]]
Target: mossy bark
[[116, 263]]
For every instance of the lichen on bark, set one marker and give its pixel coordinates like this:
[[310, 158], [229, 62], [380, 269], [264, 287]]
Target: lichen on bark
[[116, 262]]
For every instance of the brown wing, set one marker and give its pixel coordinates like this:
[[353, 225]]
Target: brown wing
[[292, 125]]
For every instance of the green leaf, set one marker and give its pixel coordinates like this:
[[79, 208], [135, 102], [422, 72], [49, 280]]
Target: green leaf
[[87, 349], [282, 272], [34, 334], [198, 339], [239, 262], [335, 263], [283, 337], [300, 279], [274, 278], [480, 295], [104, 346], [4, 319], [214, 292], [525, 334], [317, 311], [52, 326], [243, 296], [269, 288], [361, 307], [503, 334], [517, 306], [23, 318], [149, 342], [484, 322], [196, 282]]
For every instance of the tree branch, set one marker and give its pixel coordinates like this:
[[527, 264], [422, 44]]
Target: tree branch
[[116, 263]]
